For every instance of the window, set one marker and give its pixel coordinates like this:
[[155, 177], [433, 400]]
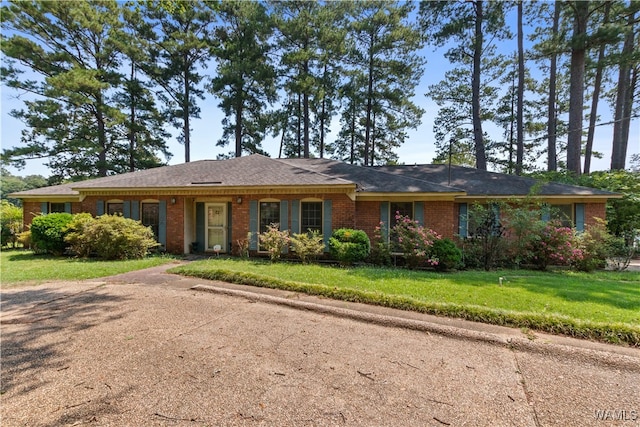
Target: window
[[562, 214], [151, 216], [311, 217], [401, 208], [115, 208], [269, 214], [56, 207]]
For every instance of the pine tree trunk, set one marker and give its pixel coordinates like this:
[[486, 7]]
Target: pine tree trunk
[[576, 88], [623, 95], [552, 163], [186, 130], [520, 108], [481, 157], [588, 151]]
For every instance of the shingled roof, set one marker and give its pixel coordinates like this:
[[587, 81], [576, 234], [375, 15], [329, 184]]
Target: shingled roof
[[260, 171], [477, 182]]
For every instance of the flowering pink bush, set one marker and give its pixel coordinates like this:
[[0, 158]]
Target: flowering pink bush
[[554, 245], [414, 241]]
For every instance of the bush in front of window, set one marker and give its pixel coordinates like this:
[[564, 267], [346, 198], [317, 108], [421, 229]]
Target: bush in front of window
[[110, 237], [308, 246], [274, 241], [596, 245], [446, 254], [349, 246], [48, 232]]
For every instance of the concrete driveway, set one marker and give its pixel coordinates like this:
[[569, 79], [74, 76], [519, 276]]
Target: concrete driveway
[[146, 348]]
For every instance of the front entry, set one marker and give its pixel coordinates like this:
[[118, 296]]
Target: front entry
[[216, 227]]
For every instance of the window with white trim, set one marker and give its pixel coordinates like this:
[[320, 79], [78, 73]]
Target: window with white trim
[[310, 217]]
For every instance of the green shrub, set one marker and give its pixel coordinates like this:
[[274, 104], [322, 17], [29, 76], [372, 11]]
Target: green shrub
[[446, 254], [554, 245], [380, 253], [349, 246], [111, 237], [48, 231], [10, 223], [274, 241], [595, 246], [308, 246], [79, 240]]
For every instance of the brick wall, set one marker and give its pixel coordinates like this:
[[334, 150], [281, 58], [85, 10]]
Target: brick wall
[[593, 212], [441, 217]]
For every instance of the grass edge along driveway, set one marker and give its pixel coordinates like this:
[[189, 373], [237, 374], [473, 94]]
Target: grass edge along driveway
[[602, 306]]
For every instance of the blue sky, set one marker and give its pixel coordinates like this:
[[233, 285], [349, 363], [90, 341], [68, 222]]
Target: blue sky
[[419, 147]]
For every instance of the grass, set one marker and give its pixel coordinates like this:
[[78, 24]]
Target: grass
[[604, 306], [19, 267]]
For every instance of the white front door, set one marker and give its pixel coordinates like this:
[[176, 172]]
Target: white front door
[[216, 223]]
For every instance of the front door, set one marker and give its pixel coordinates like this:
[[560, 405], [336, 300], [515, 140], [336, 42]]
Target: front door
[[216, 223]]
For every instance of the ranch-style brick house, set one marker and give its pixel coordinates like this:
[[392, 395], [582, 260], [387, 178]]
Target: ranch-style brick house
[[210, 205]]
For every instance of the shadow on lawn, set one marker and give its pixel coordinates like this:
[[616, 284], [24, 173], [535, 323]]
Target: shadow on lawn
[[36, 326], [623, 295]]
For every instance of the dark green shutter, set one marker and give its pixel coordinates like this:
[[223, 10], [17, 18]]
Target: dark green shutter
[[546, 213], [418, 212], [327, 223], [253, 224], [199, 227], [229, 227], [463, 220], [135, 210], [384, 220], [99, 208], [162, 223], [284, 220], [295, 216], [44, 208], [67, 207], [579, 216], [126, 209]]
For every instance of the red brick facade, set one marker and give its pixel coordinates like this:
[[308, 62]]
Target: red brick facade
[[441, 216]]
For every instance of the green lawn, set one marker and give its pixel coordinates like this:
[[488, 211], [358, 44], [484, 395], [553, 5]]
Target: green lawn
[[600, 305], [21, 266]]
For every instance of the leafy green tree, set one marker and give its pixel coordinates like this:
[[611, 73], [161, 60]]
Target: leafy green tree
[[13, 184], [382, 46], [246, 79], [178, 40], [70, 47], [10, 223], [310, 45], [467, 23]]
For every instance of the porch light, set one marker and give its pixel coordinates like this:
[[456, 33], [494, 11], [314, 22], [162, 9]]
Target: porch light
[[173, 200], [239, 200]]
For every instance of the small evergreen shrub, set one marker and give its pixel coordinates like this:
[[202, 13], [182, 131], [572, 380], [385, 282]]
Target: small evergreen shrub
[[274, 241], [48, 231], [349, 246], [308, 246], [111, 237], [447, 255]]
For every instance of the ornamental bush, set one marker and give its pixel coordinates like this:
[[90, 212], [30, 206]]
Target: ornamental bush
[[308, 246], [446, 254], [349, 246], [554, 245], [595, 244], [48, 231], [414, 241], [110, 237], [274, 241]]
